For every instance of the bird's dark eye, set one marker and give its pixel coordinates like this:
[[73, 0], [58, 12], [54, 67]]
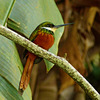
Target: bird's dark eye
[[50, 25]]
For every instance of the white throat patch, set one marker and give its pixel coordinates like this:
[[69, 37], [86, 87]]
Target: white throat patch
[[51, 29]]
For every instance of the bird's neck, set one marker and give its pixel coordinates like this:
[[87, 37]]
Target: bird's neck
[[46, 31]]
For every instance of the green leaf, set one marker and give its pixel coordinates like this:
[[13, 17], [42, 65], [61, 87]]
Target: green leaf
[[7, 91], [2, 97], [5, 8], [10, 64], [31, 14]]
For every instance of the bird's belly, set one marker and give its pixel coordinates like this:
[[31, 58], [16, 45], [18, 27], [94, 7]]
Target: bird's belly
[[44, 40]]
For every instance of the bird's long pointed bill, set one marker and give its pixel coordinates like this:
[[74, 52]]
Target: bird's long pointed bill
[[57, 26]]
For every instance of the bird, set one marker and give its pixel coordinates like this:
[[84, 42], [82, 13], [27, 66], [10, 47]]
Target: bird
[[43, 36]]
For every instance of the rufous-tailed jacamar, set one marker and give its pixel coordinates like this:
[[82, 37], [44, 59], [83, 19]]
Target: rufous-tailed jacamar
[[43, 36]]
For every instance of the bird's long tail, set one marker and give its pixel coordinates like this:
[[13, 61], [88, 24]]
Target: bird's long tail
[[27, 72]]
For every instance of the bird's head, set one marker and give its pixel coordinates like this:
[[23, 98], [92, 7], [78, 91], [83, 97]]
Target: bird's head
[[50, 26]]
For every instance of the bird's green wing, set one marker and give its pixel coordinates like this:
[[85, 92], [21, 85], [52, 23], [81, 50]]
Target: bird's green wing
[[33, 35]]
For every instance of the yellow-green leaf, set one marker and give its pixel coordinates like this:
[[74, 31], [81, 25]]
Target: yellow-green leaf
[[28, 14], [10, 64], [5, 8]]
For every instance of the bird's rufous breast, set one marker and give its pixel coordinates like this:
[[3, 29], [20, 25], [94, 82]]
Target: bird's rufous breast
[[44, 40]]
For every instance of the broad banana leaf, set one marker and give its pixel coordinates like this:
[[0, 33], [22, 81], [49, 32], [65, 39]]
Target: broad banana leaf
[[10, 64], [28, 14]]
